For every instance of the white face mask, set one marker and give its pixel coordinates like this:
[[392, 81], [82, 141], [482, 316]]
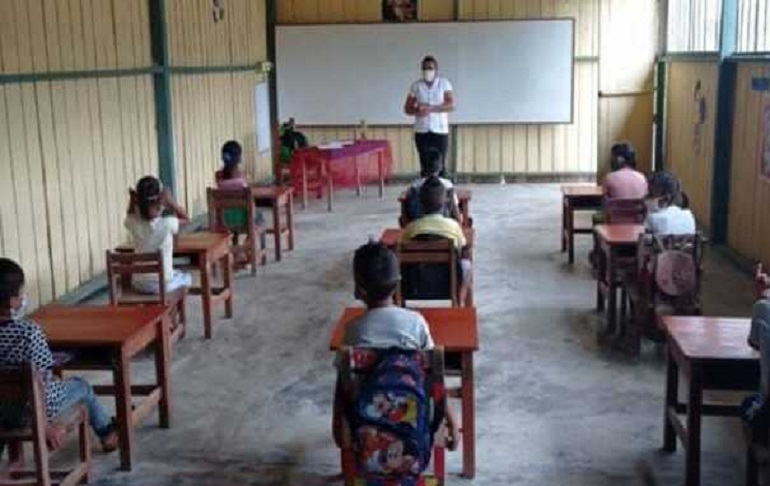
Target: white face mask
[[17, 314], [653, 205], [429, 75]]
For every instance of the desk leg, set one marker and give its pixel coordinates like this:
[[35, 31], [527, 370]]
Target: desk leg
[[329, 187], [563, 224], [122, 378], [601, 268], [228, 284], [672, 389], [290, 219], [357, 170], [571, 234], [469, 416], [277, 230], [162, 372], [205, 272], [381, 172], [304, 185], [612, 297], [694, 405]]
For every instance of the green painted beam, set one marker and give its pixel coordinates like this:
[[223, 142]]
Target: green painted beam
[[70, 75], [659, 157], [259, 67], [162, 83]]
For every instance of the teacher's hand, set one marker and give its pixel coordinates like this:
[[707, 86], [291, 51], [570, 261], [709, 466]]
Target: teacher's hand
[[424, 110]]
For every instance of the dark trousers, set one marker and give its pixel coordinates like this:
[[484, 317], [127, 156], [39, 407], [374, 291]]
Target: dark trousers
[[427, 141]]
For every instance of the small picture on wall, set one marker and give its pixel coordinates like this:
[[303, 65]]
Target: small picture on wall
[[399, 10], [765, 153]]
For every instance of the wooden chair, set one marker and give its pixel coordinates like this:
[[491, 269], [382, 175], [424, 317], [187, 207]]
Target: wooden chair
[[220, 201], [430, 270], [624, 211], [355, 365], [644, 296], [315, 172], [25, 387], [123, 265]]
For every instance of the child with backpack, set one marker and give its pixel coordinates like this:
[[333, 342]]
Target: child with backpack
[[387, 327]]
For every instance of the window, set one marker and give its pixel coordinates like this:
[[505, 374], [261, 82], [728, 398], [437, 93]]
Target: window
[[693, 25], [753, 26]]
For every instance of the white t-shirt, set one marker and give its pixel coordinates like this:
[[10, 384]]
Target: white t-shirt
[[389, 327], [149, 236], [672, 220], [431, 95]]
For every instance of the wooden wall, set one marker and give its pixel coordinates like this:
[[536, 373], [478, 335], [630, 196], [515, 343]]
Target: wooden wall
[[749, 231], [690, 144], [521, 149], [70, 149], [211, 108]]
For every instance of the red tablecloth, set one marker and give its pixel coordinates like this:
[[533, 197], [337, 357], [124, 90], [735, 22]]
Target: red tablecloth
[[341, 163]]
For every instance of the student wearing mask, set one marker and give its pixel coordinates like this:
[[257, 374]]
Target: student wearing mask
[[664, 214], [429, 101]]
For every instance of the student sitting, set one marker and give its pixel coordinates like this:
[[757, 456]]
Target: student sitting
[[291, 140], [433, 167], [624, 182], [664, 216], [760, 316], [433, 197], [384, 325], [231, 177], [22, 341], [151, 231]]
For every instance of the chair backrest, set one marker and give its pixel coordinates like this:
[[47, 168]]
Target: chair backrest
[[22, 385], [362, 372], [625, 211], [429, 270], [122, 266], [222, 200]]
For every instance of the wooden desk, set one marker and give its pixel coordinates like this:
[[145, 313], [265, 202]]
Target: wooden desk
[[456, 329], [712, 353], [276, 197], [119, 334], [577, 198], [391, 237], [615, 241], [204, 250], [463, 202]]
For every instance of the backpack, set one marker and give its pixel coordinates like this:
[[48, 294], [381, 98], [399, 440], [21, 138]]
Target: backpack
[[394, 417], [675, 269]]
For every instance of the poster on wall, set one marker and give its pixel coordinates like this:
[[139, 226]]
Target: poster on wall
[[765, 137], [399, 10], [700, 114], [262, 111]]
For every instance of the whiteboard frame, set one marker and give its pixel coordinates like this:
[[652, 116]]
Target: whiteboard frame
[[572, 20]]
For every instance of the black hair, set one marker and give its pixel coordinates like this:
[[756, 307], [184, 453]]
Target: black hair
[[376, 271], [433, 195], [626, 152], [665, 185], [433, 162], [149, 194], [11, 281], [429, 58], [231, 156]]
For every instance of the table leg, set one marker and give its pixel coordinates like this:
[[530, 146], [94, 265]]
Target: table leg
[[205, 272], [563, 224], [357, 170], [162, 372], [469, 416], [381, 172], [612, 297], [672, 389], [277, 230], [571, 234], [329, 187], [304, 184], [694, 405], [122, 378], [228, 284], [290, 219], [601, 268]]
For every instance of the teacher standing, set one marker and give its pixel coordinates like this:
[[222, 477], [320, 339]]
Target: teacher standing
[[430, 100]]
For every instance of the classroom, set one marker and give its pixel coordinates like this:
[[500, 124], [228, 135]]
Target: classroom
[[384, 242]]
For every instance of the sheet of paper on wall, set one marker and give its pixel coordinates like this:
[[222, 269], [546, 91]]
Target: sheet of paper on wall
[[262, 110]]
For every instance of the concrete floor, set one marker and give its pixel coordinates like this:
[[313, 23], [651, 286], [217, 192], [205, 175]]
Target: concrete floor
[[252, 406]]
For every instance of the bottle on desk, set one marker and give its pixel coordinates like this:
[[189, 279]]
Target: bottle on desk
[[361, 132]]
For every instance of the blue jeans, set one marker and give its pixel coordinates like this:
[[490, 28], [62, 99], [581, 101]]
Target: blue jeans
[[78, 390]]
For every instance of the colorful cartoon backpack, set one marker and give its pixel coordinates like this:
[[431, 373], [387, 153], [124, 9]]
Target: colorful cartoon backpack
[[393, 416]]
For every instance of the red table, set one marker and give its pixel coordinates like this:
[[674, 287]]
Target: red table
[[352, 165]]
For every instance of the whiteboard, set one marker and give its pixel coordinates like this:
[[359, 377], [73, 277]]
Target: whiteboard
[[262, 111], [501, 71]]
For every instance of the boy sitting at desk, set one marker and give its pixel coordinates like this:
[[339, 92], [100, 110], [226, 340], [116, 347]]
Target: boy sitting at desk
[[413, 203], [22, 341], [433, 197], [376, 275]]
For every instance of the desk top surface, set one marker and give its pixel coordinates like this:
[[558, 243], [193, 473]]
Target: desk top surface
[[703, 338]]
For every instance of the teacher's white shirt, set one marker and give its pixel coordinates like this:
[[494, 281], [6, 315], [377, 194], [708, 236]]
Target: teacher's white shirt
[[432, 95]]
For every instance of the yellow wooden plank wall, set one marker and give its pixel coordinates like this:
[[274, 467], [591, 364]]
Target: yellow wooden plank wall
[[690, 145], [748, 230], [211, 108], [522, 149], [69, 150]]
